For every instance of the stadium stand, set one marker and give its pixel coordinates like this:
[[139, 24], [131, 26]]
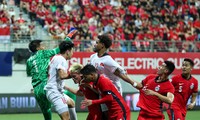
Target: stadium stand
[[136, 25]]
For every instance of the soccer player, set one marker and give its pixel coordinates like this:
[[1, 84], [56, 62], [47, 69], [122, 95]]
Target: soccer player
[[154, 90], [117, 107], [185, 86], [105, 64], [57, 74], [36, 67], [86, 90]]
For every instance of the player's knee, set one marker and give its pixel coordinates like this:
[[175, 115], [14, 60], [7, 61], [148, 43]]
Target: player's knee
[[70, 103], [65, 116]]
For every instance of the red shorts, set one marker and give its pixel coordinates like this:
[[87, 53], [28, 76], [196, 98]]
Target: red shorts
[[94, 116], [175, 114], [143, 115], [120, 116]]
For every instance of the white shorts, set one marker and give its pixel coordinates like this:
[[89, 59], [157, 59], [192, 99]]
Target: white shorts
[[58, 100]]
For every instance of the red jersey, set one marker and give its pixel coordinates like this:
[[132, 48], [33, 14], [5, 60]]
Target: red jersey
[[117, 107], [183, 90], [152, 105], [95, 112]]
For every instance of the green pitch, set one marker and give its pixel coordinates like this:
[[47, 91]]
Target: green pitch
[[192, 115]]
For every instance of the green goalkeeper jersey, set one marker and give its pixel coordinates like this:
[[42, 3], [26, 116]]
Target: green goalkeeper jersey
[[37, 65]]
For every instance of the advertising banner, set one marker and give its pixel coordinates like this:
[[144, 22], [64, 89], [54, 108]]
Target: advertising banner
[[26, 103], [143, 63]]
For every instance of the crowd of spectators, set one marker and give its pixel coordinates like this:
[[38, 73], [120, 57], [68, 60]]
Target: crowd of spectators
[[132, 23], [19, 27]]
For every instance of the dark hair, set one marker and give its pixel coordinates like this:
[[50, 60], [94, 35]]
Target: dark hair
[[33, 45], [105, 39], [88, 69], [170, 66], [65, 45], [190, 61]]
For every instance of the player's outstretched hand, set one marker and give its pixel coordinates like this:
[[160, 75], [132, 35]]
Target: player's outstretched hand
[[86, 103]]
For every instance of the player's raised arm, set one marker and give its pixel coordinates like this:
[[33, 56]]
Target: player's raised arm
[[51, 52]]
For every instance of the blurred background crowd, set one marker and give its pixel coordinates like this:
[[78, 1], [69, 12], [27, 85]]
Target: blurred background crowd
[[135, 25]]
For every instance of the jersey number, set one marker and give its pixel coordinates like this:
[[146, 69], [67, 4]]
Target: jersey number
[[180, 88]]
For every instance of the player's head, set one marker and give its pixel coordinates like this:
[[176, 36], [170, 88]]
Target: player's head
[[187, 66], [167, 68], [36, 45], [89, 73], [66, 49], [104, 42], [74, 71]]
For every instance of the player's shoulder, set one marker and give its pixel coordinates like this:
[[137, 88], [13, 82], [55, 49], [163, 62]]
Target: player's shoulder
[[176, 77], [152, 76], [194, 79], [57, 57], [93, 55]]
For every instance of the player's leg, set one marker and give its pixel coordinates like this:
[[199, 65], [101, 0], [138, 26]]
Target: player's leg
[[42, 101], [71, 95], [104, 112], [174, 114], [71, 106]]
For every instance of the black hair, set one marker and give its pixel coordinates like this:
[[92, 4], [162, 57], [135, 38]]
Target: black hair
[[170, 66], [105, 39], [33, 45], [190, 61], [65, 45], [88, 69]]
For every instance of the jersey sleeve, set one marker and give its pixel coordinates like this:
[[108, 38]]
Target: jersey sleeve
[[112, 65], [195, 90], [50, 53]]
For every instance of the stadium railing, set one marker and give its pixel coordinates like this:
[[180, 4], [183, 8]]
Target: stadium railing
[[118, 46]]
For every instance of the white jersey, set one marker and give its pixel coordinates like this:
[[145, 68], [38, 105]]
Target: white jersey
[[54, 83], [107, 66]]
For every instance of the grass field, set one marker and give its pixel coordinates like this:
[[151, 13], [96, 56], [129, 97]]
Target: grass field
[[191, 115]]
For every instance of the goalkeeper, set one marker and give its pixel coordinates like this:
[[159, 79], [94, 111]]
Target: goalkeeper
[[36, 67]]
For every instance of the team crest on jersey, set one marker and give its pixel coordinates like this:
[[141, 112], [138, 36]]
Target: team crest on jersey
[[157, 88], [192, 86]]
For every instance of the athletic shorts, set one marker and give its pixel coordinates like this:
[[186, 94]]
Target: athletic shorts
[[58, 100], [174, 114], [143, 115], [120, 116], [71, 95], [94, 116]]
